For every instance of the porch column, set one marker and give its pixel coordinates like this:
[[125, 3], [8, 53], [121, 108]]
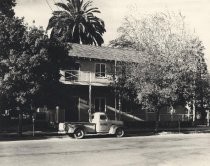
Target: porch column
[[115, 105], [79, 116], [120, 107], [115, 97], [90, 100]]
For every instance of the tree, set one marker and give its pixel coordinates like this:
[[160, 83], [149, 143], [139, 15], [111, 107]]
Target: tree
[[169, 60], [29, 65], [76, 23], [6, 7]]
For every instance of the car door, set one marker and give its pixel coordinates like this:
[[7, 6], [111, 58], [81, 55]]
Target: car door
[[103, 125]]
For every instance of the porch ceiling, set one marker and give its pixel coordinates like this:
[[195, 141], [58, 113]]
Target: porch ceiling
[[84, 83]]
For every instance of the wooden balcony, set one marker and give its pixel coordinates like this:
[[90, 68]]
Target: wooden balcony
[[77, 77]]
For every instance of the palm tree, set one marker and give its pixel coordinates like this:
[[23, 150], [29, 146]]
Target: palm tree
[[76, 23]]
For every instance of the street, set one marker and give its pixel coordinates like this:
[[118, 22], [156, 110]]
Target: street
[[161, 150]]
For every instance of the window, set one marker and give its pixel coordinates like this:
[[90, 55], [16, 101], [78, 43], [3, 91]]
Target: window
[[100, 105], [77, 66], [100, 70], [103, 117]]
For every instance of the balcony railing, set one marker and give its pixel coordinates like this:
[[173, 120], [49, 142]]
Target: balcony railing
[[85, 77]]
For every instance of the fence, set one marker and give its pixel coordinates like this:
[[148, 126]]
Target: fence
[[169, 117], [7, 124]]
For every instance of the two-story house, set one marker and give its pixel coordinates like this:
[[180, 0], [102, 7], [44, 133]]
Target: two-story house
[[87, 85]]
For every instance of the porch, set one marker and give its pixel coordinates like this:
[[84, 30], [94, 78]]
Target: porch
[[78, 77]]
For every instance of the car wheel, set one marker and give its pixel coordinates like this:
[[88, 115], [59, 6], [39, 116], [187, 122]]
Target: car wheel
[[79, 134], [119, 132]]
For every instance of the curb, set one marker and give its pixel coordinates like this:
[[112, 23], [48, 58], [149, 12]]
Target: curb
[[39, 135]]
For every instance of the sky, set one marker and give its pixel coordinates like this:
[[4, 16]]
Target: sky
[[196, 14]]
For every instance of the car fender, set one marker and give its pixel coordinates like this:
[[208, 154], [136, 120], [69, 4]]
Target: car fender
[[69, 128], [113, 129]]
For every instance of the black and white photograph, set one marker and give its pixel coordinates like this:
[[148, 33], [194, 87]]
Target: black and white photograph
[[104, 82]]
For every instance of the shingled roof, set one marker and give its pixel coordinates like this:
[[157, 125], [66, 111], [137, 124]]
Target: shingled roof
[[104, 53]]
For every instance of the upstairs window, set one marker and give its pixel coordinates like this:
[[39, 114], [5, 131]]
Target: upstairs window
[[100, 71]]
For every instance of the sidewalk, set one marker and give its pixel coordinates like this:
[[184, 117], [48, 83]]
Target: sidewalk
[[28, 135], [39, 135], [186, 130]]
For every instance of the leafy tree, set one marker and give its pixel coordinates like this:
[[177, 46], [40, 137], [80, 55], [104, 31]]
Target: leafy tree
[[169, 60], [11, 33], [29, 65], [6, 7], [76, 23]]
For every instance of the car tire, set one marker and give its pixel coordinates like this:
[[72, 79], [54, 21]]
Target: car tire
[[79, 134], [120, 132]]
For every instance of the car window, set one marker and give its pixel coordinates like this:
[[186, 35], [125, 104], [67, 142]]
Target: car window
[[103, 117]]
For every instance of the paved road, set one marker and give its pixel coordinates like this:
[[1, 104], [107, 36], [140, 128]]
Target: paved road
[[162, 150]]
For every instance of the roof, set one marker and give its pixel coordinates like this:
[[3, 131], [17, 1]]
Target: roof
[[103, 53]]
